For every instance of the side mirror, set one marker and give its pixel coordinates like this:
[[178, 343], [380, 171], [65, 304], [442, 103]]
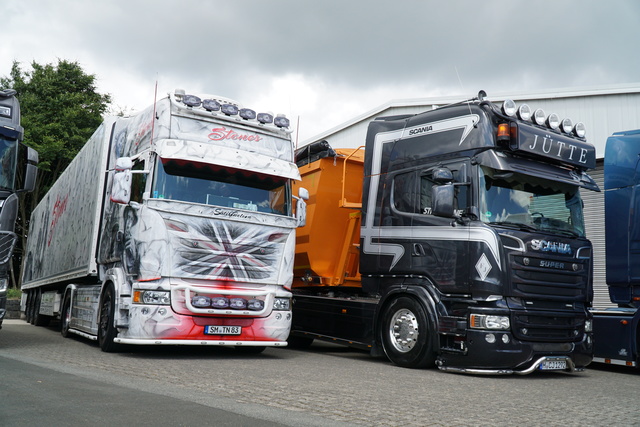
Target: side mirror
[[301, 206], [442, 175], [443, 197], [121, 183]]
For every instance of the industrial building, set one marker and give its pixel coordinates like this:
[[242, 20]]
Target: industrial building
[[604, 110]]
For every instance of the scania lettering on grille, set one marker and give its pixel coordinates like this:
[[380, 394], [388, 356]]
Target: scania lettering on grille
[[554, 247]]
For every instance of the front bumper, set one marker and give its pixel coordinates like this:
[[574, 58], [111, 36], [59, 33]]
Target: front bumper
[[508, 355]]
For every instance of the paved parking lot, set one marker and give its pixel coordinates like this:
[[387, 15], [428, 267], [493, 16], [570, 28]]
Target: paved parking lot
[[328, 384]]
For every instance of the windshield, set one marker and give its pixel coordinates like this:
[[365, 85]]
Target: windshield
[[7, 163], [527, 202], [211, 185]]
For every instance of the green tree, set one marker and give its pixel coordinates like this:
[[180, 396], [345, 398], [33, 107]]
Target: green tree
[[60, 109]]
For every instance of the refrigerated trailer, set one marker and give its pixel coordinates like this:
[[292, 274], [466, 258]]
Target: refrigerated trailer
[[454, 239], [172, 226]]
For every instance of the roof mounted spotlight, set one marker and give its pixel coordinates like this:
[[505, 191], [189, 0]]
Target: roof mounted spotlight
[[566, 126], [524, 112], [229, 109], [509, 107], [539, 116], [191, 101], [281, 121], [265, 118], [579, 130], [247, 113], [553, 121], [211, 105]]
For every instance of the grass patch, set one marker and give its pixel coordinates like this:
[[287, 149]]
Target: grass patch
[[13, 293]]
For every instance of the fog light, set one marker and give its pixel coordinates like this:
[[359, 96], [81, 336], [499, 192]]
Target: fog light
[[490, 338], [162, 311], [238, 303], [278, 316], [505, 339], [201, 301], [219, 302], [255, 304]]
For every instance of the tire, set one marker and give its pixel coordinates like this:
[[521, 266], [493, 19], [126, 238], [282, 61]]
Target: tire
[[28, 310], [106, 328], [250, 349], [299, 342], [65, 316], [407, 334], [39, 319]]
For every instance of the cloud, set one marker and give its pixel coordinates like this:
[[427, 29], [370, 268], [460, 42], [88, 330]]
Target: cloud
[[328, 61]]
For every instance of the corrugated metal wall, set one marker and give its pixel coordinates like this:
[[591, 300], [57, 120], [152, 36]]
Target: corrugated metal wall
[[594, 223]]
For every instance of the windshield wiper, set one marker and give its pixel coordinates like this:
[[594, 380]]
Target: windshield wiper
[[518, 225]]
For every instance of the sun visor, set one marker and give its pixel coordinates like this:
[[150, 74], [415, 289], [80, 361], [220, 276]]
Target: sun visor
[[501, 161], [199, 152]]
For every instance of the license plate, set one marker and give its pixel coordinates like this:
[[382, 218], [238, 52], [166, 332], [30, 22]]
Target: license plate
[[223, 330], [553, 365]]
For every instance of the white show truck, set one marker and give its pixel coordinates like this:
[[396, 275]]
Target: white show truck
[[173, 226]]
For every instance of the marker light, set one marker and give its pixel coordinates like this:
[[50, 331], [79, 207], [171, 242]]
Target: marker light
[[509, 107], [553, 121], [503, 132], [247, 114], [281, 121], [579, 130], [524, 112], [211, 105], [191, 100], [539, 117], [265, 118], [566, 125], [229, 109]]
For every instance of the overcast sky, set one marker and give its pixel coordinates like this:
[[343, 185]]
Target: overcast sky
[[324, 62]]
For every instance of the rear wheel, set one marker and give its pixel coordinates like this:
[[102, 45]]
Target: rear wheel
[[407, 334], [106, 325], [39, 319]]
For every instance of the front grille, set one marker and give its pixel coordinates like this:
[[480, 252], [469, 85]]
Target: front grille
[[566, 280], [548, 326]]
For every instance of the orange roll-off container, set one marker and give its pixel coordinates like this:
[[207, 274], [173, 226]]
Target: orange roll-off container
[[327, 247]]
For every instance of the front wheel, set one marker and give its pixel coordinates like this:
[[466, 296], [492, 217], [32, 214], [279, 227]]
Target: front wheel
[[106, 328], [250, 349], [407, 334]]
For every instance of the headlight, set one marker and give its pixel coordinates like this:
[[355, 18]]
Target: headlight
[[156, 297], [588, 326], [4, 284], [484, 321], [281, 304]]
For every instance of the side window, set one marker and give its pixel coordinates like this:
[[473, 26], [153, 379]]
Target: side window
[[138, 182], [404, 191]]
